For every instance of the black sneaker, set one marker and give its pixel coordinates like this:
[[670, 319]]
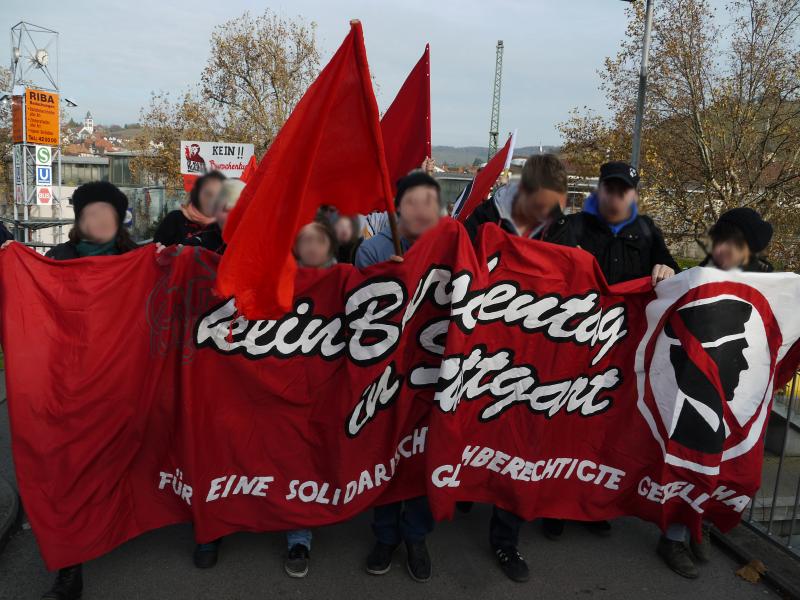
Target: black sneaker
[[512, 563], [677, 557], [599, 528], [552, 528], [419, 561], [379, 560], [205, 555], [68, 584], [702, 548], [296, 563]]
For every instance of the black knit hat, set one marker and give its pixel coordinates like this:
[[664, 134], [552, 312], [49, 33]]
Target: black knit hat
[[414, 179], [756, 230], [99, 191]]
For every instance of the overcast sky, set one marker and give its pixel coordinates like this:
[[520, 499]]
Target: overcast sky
[[113, 54]]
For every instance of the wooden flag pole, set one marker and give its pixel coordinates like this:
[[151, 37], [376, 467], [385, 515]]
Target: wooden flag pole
[[398, 247]]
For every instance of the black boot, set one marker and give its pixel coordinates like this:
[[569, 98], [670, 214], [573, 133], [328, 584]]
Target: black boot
[[677, 557], [68, 584]]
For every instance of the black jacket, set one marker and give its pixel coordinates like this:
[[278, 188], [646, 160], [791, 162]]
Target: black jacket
[[5, 234], [628, 254], [64, 251], [177, 229], [558, 232]]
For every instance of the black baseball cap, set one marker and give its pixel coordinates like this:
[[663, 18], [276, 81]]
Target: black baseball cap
[[620, 170]]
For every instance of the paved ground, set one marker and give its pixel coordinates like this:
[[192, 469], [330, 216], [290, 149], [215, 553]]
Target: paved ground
[[158, 565]]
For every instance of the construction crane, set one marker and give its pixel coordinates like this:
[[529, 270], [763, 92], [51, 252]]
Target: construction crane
[[494, 126]]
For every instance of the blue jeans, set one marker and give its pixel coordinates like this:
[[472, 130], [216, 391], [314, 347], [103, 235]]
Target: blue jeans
[[408, 521], [299, 536]]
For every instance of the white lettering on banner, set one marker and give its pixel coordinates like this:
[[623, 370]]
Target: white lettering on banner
[[683, 490], [496, 375], [175, 482], [377, 395], [369, 310], [238, 485], [368, 332], [323, 492], [520, 469]]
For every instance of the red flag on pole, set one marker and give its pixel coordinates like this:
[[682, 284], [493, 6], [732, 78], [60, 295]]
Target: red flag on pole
[[406, 125], [484, 180], [249, 169], [329, 151]]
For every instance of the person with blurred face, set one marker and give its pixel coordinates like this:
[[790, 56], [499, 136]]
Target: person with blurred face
[[419, 208], [100, 209], [532, 207], [195, 223], [626, 244], [738, 238], [315, 246]]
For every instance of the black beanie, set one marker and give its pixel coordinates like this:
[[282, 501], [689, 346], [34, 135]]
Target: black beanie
[[99, 191], [756, 230], [414, 179]]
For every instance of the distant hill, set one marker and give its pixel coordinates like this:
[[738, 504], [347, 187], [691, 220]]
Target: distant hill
[[466, 155]]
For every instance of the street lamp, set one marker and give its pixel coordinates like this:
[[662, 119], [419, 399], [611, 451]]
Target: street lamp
[[637, 126]]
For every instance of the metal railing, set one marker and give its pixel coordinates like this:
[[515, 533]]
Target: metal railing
[[774, 508]]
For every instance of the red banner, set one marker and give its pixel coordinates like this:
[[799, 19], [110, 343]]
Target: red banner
[[510, 374]]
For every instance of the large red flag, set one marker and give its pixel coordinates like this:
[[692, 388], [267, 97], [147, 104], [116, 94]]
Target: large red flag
[[406, 125], [484, 181], [329, 151]]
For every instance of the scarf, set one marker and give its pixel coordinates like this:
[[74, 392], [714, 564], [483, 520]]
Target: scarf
[[193, 214], [87, 248]]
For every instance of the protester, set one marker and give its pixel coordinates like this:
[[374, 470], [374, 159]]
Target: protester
[[315, 247], [737, 238], [419, 208], [206, 555], [626, 244], [194, 224], [532, 208], [98, 231], [347, 237]]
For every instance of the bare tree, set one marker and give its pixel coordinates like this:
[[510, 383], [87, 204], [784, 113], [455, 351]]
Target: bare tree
[[722, 126], [257, 71]]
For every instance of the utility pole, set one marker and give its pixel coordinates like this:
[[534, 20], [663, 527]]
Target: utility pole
[[637, 126], [494, 126]]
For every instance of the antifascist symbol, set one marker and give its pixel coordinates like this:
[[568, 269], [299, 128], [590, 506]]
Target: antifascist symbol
[[704, 372], [719, 328]]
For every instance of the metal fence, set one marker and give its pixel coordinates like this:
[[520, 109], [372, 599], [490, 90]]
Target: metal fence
[[773, 510]]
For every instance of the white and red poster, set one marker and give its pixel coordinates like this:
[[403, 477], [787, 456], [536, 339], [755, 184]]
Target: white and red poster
[[198, 158], [507, 373]]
